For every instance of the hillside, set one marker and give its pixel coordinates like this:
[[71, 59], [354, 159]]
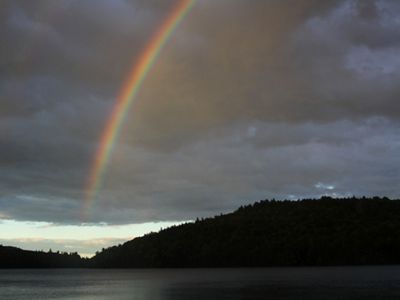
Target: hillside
[[268, 233], [11, 257], [272, 233]]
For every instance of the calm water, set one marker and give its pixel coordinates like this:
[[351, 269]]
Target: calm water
[[271, 283]]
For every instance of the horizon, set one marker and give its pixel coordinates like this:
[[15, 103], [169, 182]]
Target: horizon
[[142, 230], [50, 238], [120, 118]]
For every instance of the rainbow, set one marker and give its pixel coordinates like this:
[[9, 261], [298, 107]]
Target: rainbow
[[127, 95]]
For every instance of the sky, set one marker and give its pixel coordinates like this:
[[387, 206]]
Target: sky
[[247, 100]]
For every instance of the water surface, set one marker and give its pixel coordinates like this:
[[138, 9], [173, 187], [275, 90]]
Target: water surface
[[168, 284]]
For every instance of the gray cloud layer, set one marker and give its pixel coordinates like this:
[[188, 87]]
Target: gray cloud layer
[[248, 100]]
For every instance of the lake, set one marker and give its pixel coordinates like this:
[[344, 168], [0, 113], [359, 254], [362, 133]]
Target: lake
[[377, 282]]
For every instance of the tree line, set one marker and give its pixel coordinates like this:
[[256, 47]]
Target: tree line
[[347, 231], [11, 257], [310, 232]]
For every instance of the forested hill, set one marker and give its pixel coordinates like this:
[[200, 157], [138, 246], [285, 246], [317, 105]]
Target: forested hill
[[268, 233], [11, 257], [272, 233]]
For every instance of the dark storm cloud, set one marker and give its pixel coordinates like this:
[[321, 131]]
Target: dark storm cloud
[[248, 100], [280, 62], [256, 161]]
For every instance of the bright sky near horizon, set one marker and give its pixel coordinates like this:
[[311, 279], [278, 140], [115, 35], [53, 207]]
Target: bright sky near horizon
[[85, 239], [234, 101]]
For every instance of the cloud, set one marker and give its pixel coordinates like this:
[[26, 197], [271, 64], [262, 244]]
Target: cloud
[[246, 101]]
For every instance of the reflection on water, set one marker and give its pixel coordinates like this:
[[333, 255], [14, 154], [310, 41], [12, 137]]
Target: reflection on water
[[170, 284]]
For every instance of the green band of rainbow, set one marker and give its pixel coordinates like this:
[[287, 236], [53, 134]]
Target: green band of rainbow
[[127, 95]]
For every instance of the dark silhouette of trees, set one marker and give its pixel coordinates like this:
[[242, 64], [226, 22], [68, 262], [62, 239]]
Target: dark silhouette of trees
[[11, 257], [310, 232]]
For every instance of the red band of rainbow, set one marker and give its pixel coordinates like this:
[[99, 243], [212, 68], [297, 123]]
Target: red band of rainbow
[[127, 95]]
